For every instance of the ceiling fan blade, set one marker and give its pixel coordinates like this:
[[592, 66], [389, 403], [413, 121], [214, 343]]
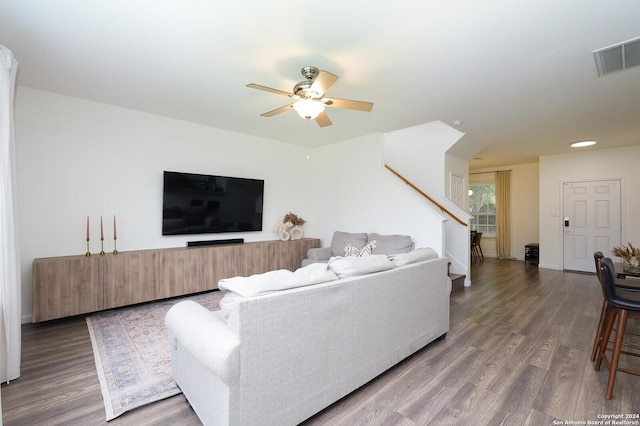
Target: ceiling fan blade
[[323, 120], [348, 104], [277, 111], [323, 83], [268, 89]]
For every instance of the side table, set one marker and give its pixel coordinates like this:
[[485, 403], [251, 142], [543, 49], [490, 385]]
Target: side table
[[532, 253]]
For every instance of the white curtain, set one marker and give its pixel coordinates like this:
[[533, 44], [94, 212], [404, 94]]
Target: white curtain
[[10, 288], [503, 215]]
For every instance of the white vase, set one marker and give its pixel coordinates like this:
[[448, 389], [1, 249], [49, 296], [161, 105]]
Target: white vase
[[285, 236], [296, 232]]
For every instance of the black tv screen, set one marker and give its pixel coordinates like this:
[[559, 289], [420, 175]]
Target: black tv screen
[[202, 204]]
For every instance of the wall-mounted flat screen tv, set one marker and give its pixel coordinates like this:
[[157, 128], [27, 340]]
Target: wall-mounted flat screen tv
[[202, 204]]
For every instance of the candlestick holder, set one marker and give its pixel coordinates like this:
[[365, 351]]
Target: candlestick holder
[[115, 249], [88, 253], [101, 246]]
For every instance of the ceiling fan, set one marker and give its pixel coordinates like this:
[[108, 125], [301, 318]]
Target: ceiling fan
[[309, 97]]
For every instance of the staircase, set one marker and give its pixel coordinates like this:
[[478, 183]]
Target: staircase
[[457, 280], [458, 233]]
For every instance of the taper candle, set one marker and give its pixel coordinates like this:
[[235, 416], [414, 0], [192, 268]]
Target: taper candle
[[87, 228], [115, 236], [101, 229]]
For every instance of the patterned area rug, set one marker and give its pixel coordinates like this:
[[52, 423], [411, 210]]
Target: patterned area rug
[[132, 353]]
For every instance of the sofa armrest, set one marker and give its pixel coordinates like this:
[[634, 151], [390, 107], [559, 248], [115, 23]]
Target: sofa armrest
[[206, 337], [322, 253]]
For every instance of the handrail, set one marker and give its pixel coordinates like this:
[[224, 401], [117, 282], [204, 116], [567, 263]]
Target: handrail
[[441, 207]]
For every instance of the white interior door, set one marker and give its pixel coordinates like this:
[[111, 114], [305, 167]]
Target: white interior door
[[591, 221], [456, 191]]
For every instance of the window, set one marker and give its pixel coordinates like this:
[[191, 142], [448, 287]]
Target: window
[[482, 205]]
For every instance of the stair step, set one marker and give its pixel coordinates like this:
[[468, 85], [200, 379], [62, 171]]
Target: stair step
[[457, 281]]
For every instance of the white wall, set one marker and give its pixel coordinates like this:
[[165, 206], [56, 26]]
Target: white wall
[[419, 153], [597, 164], [353, 192], [426, 163], [524, 208], [77, 158]]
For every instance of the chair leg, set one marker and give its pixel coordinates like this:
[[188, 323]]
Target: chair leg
[[481, 253], [617, 347], [598, 340], [608, 326]]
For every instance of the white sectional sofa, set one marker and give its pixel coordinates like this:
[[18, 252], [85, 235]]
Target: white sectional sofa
[[284, 348]]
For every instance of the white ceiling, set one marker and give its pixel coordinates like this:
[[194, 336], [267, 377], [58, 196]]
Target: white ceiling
[[520, 76]]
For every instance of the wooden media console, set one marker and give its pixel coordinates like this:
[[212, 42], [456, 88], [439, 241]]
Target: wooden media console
[[73, 285]]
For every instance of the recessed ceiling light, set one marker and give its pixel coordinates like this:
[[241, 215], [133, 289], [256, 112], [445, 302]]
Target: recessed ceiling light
[[582, 144]]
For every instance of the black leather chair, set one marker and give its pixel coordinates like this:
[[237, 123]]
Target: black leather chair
[[625, 285], [597, 257], [623, 305]]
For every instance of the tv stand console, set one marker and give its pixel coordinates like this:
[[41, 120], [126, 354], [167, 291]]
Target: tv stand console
[[73, 285]]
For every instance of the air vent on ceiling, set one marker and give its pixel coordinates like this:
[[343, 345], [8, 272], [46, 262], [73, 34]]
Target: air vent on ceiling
[[618, 57]]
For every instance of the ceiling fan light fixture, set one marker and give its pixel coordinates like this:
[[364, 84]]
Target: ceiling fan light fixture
[[308, 98], [308, 109]]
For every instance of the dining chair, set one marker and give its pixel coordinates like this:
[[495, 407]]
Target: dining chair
[[623, 305], [472, 236], [597, 257], [476, 248], [621, 284]]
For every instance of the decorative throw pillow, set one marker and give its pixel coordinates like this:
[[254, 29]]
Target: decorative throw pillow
[[341, 239], [351, 250]]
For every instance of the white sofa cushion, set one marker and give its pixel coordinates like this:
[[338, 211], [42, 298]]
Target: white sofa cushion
[[281, 279], [315, 273], [417, 255], [256, 284], [352, 266], [391, 244], [239, 288]]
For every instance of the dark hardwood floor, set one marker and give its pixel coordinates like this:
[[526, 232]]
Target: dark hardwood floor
[[518, 352]]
